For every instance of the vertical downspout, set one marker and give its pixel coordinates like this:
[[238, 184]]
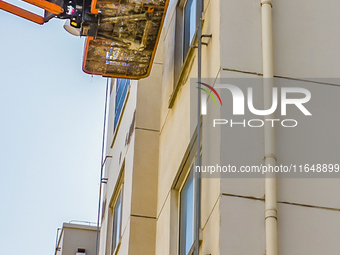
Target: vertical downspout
[[198, 150], [269, 132], [56, 241]]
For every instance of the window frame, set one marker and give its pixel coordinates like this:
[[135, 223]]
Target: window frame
[[182, 64], [183, 50], [112, 121], [115, 243], [116, 120], [187, 39], [180, 240]]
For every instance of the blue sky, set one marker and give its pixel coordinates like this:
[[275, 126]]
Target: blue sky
[[51, 117]]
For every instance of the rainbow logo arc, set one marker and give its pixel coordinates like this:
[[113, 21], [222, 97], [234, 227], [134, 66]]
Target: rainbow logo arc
[[209, 93]]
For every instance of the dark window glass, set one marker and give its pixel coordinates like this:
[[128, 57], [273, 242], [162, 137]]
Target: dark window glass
[[190, 24], [117, 222], [121, 92], [187, 216]]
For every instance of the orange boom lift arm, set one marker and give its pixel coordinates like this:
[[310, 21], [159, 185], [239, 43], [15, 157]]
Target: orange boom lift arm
[[48, 6], [122, 35]]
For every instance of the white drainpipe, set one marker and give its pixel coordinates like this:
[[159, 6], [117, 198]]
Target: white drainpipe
[[269, 132]]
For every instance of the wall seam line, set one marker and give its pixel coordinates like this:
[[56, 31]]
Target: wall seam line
[[147, 129], [218, 198], [283, 77], [285, 202], [161, 210], [143, 216]]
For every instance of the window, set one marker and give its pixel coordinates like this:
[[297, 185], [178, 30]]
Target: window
[[185, 29], [190, 25], [121, 92], [187, 216], [117, 222]]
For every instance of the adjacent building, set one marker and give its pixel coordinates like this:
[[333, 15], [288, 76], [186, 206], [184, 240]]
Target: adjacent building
[[76, 239]]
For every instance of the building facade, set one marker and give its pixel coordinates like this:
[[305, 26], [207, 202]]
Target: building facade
[[148, 195], [76, 239]]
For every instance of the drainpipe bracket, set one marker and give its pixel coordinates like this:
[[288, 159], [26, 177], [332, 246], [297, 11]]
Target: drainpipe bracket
[[271, 213], [270, 156], [203, 43], [200, 234], [206, 35], [267, 2]]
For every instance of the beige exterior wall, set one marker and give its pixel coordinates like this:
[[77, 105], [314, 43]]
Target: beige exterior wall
[[306, 39], [176, 134], [132, 164]]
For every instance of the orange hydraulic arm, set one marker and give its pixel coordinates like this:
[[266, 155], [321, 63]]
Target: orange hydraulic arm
[[56, 9]]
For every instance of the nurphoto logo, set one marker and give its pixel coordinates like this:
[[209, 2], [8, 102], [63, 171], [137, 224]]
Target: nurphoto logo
[[239, 104]]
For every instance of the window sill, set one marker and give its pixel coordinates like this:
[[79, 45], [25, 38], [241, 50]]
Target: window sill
[[191, 252], [183, 75], [116, 250]]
